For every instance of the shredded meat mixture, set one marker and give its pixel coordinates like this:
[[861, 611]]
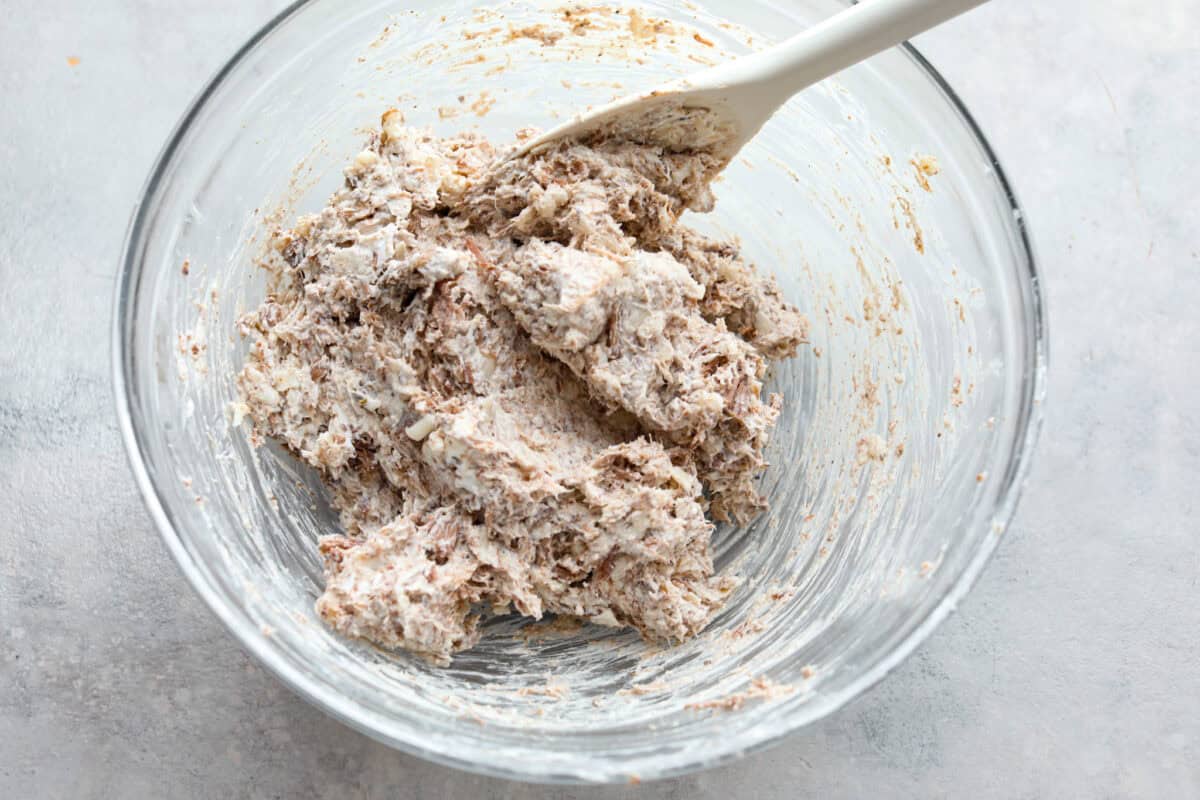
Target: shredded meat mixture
[[525, 385]]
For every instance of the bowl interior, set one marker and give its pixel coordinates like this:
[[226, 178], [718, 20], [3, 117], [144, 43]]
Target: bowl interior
[[872, 199]]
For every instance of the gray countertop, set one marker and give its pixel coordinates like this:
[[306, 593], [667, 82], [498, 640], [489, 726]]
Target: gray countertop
[[1069, 671]]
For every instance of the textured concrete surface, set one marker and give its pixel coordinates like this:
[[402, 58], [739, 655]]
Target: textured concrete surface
[[1070, 671]]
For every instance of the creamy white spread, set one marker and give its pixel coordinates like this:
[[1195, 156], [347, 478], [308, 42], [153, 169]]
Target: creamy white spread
[[526, 385]]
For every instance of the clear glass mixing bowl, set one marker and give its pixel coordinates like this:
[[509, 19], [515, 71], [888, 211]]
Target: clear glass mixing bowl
[[905, 435]]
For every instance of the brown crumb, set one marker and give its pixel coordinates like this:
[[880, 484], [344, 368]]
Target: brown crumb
[[702, 40], [483, 105], [910, 222], [72, 61], [561, 626], [647, 28], [535, 32], [956, 392], [761, 688], [925, 168], [551, 689], [748, 627], [644, 688], [187, 267], [871, 447], [578, 18], [469, 35], [807, 672]]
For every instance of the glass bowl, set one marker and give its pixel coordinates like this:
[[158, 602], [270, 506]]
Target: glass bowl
[[907, 424]]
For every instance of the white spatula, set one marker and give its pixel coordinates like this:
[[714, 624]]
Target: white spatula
[[743, 94]]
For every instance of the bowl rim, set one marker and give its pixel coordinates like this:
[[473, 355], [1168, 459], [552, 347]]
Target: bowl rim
[[1029, 423]]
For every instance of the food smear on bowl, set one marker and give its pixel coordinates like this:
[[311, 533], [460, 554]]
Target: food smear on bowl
[[525, 384]]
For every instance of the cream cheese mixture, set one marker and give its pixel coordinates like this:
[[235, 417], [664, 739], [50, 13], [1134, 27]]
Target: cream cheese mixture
[[526, 385]]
